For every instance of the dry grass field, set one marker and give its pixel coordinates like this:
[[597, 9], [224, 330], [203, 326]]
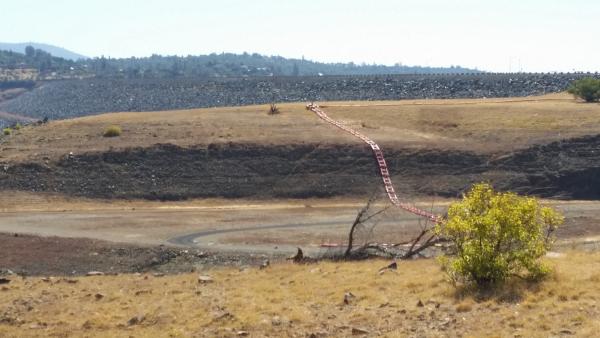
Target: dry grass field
[[304, 301], [481, 125]]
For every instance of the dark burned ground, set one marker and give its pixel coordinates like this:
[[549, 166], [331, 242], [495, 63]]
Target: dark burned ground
[[565, 169], [33, 255]]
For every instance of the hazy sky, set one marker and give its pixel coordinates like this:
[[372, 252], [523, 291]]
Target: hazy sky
[[538, 35]]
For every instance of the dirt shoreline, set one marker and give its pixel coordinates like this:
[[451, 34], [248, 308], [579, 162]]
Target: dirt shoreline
[[30, 255], [123, 239], [169, 172]]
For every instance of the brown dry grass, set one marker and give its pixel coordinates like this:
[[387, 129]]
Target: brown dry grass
[[478, 125], [299, 300], [22, 201]]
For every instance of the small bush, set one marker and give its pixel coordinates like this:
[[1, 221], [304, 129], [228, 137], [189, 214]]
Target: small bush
[[112, 131], [273, 109], [18, 126], [7, 131], [587, 88], [497, 235]]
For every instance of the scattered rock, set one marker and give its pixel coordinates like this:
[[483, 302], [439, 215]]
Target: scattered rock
[[223, 315], [420, 303], [358, 331], [276, 321], [6, 272], [551, 254], [98, 296], [136, 320], [348, 297], [434, 303], [242, 333], [265, 264], [4, 280], [95, 273], [36, 326], [158, 274], [445, 322], [204, 279]]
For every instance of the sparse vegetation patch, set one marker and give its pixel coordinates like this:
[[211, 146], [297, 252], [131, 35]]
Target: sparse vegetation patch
[[273, 109], [112, 131]]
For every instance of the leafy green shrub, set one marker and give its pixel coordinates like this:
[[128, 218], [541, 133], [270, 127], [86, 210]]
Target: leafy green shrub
[[112, 131], [18, 126], [7, 131], [587, 88], [497, 235]]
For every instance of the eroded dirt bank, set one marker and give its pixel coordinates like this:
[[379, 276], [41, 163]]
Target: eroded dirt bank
[[565, 169]]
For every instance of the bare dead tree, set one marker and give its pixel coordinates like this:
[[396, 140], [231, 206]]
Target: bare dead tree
[[417, 245], [361, 218], [424, 240]]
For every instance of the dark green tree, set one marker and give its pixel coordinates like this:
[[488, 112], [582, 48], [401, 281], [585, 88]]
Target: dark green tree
[[587, 88], [29, 51]]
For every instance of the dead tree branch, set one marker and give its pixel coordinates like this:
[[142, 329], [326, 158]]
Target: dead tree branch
[[361, 218], [424, 240]]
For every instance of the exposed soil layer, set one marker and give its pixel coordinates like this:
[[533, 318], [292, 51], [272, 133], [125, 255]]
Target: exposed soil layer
[[33, 255], [568, 168], [565, 169]]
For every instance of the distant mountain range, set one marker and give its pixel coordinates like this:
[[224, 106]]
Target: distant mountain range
[[54, 50]]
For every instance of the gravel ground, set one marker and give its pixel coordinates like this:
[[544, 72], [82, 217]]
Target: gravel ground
[[38, 256]]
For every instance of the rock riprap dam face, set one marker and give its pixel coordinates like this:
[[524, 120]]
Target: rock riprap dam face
[[66, 99]]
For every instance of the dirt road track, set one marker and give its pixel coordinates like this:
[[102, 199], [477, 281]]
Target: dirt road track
[[253, 229], [210, 238]]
